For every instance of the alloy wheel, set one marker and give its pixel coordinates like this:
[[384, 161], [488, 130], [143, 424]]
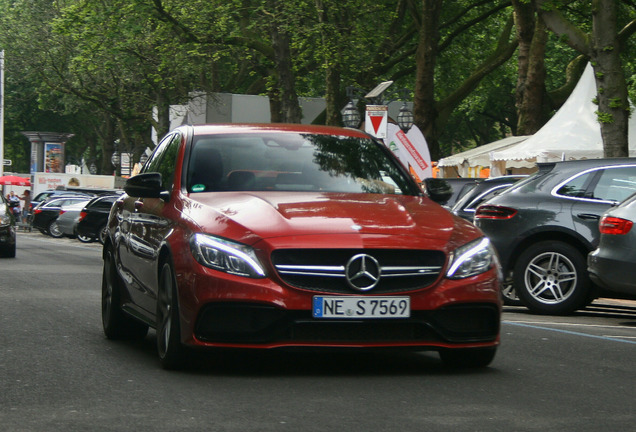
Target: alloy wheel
[[550, 278]]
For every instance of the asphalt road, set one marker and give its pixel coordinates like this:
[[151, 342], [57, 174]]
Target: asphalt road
[[58, 372]]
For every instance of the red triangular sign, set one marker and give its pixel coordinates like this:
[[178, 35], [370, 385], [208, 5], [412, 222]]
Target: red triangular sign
[[376, 121]]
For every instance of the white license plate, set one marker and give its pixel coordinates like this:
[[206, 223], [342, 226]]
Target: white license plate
[[361, 307]]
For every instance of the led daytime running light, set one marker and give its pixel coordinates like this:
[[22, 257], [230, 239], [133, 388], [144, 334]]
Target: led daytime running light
[[457, 262], [207, 241]]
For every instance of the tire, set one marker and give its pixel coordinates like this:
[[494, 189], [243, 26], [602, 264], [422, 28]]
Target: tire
[[103, 233], [551, 278], [8, 252], [85, 239], [509, 295], [172, 353], [468, 357], [54, 230], [116, 324]]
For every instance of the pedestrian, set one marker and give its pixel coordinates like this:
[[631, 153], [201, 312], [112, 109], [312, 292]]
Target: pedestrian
[[14, 203], [26, 208]]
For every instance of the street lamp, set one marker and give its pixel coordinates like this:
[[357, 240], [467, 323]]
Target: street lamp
[[143, 158], [115, 159], [405, 118], [350, 115]]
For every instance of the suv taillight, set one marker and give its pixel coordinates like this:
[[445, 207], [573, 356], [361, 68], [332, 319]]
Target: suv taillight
[[82, 215], [494, 212], [614, 225]]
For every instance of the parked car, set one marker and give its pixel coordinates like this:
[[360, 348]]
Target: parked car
[[544, 227], [274, 236], [46, 213], [7, 229], [67, 220], [54, 193], [91, 225], [465, 207], [612, 265], [459, 187]]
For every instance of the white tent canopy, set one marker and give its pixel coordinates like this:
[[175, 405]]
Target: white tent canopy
[[460, 163], [572, 133]]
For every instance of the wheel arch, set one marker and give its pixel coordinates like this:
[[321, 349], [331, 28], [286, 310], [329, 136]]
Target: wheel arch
[[563, 236]]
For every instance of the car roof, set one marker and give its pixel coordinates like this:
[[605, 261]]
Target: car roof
[[257, 128]]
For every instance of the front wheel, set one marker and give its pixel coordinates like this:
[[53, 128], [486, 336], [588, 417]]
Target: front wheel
[[468, 357], [509, 295], [116, 324], [103, 233], [551, 278], [54, 230], [169, 347], [85, 239]]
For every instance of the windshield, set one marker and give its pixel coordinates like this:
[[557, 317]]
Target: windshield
[[294, 162]]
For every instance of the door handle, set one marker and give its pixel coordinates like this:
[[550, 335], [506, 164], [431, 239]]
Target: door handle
[[588, 216]]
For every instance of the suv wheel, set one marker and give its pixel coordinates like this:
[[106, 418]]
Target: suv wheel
[[550, 277]]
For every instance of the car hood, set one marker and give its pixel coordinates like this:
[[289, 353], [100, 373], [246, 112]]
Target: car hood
[[251, 216]]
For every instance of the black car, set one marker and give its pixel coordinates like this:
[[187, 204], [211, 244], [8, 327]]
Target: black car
[[55, 193], [458, 187], [482, 191], [543, 228], [7, 229], [93, 218], [46, 213]]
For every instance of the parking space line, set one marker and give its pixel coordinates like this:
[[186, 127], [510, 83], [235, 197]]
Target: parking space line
[[607, 338], [567, 324]]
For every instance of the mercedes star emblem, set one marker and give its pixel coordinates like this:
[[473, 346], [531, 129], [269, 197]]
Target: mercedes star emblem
[[363, 272]]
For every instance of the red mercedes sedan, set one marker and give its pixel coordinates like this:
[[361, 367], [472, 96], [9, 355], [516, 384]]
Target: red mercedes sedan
[[280, 236]]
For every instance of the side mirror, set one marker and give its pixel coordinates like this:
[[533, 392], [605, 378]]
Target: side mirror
[[439, 190], [146, 185]]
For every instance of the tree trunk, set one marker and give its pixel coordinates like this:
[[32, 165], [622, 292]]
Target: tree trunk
[[603, 49], [163, 116], [532, 37], [613, 104], [424, 106], [290, 111]]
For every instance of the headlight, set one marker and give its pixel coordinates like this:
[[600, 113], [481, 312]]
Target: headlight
[[5, 219], [226, 256], [471, 259]]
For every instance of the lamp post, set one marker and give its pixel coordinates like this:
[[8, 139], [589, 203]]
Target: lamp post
[[405, 118], [115, 159], [351, 116]]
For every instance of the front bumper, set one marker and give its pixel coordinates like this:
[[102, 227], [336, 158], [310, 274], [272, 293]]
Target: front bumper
[[222, 310]]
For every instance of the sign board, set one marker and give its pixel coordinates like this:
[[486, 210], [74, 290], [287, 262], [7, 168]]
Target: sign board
[[6, 162], [376, 120], [412, 150], [43, 181]]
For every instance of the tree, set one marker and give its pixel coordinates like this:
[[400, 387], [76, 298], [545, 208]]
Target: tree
[[431, 114], [602, 44]]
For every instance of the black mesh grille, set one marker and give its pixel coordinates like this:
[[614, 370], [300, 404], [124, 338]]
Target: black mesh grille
[[256, 323], [323, 270]]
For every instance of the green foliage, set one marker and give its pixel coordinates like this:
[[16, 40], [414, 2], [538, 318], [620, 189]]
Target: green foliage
[[97, 69], [604, 117]]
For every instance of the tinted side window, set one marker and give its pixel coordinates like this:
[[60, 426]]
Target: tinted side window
[[103, 204], [577, 186], [163, 160], [616, 184]]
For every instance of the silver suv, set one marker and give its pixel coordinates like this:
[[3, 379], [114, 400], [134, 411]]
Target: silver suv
[[543, 227]]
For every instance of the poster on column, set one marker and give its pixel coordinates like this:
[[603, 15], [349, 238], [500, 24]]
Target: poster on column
[[411, 149], [53, 162]]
